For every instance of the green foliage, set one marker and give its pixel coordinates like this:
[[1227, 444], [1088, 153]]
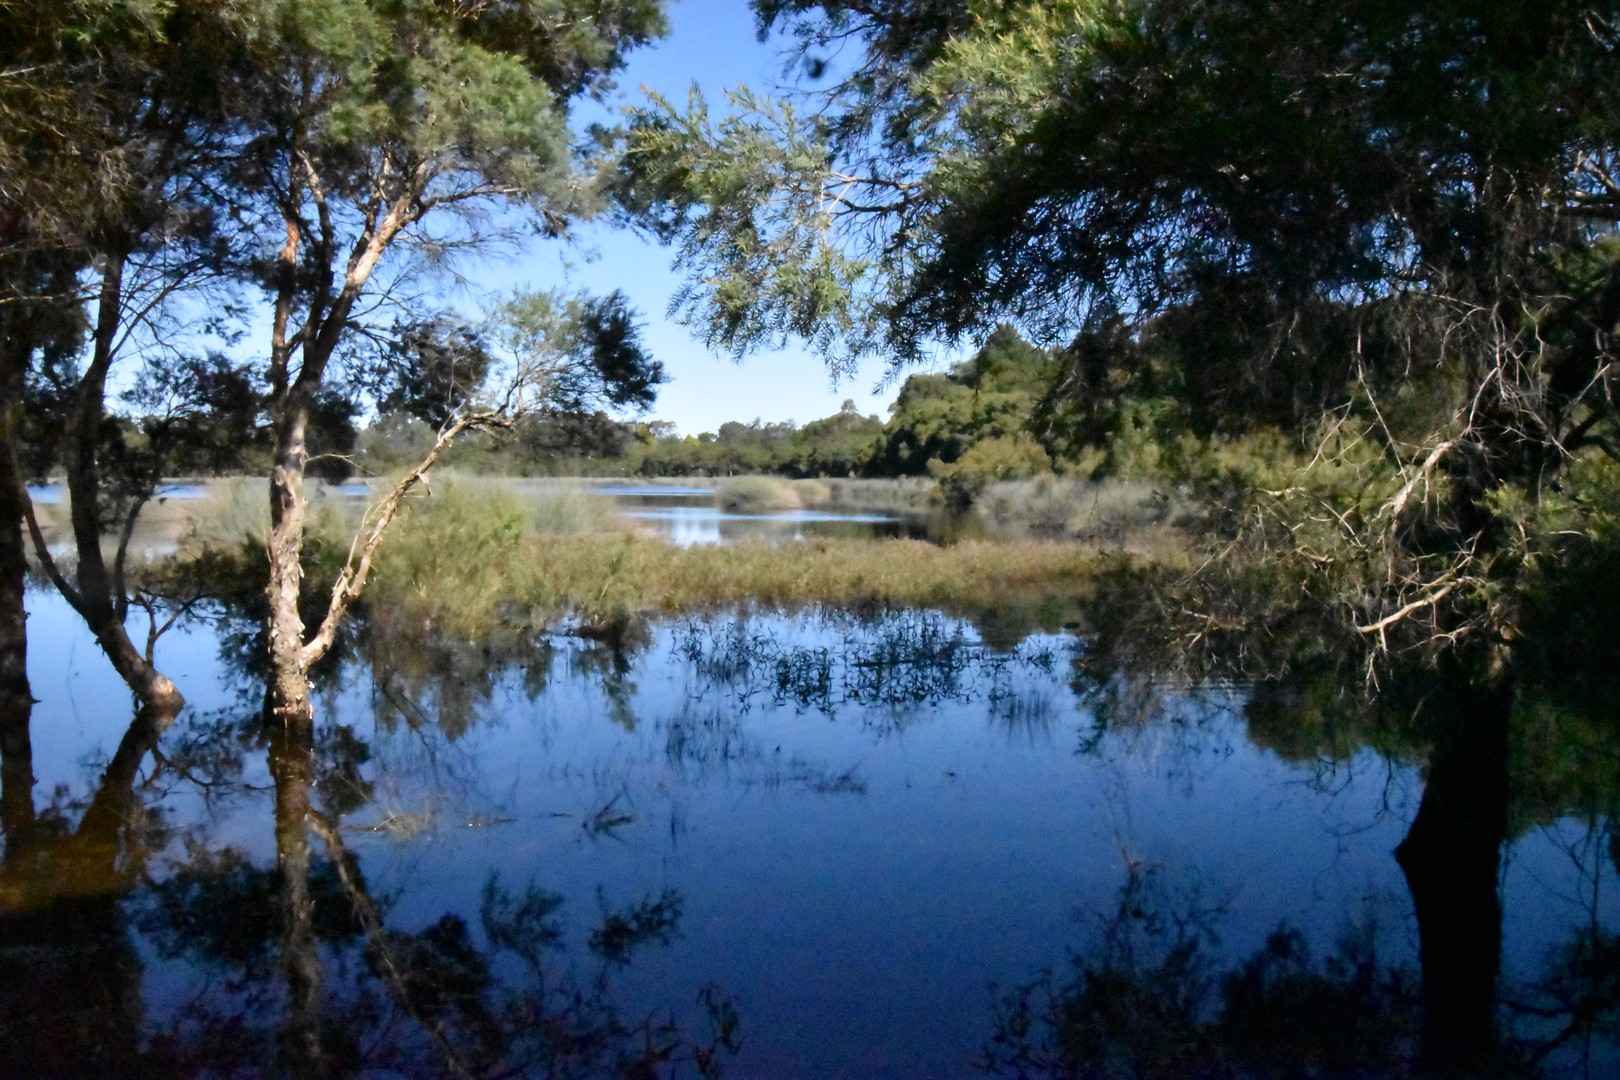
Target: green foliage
[[988, 461], [1377, 225], [992, 396], [751, 198]]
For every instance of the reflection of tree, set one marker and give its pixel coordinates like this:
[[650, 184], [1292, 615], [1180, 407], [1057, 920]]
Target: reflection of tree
[[424, 677], [358, 994], [1450, 858], [70, 980], [1151, 996], [1150, 647], [1151, 1000], [295, 963], [901, 661]]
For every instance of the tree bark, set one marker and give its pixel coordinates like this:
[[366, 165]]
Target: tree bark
[[16, 699], [289, 685], [17, 815]]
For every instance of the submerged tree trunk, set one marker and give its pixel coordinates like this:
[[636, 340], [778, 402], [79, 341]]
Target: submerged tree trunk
[[1451, 859], [16, 698], [292, 761]]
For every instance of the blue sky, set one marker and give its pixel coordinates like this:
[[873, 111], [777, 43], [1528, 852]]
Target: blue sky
[[712, 44]]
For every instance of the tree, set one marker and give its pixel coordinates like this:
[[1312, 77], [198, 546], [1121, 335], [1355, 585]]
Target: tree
[[992, 395], [377, 129], [112, 114], [1389, 222]]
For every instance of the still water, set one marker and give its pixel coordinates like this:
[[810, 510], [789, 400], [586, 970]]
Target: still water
[[677, 514], [692, 515], [785, 846]]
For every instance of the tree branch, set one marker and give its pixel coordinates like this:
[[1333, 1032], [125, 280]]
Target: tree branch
[[352, 581]]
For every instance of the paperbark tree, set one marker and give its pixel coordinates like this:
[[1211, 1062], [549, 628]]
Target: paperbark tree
[[384, 130], [113, 114]]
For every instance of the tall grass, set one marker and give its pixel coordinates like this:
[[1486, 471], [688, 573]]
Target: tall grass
[[757, 494], [235, 515], [464, 555], [468, 578], [476, 555], [1088, 509], [571, 509], [909, 494]]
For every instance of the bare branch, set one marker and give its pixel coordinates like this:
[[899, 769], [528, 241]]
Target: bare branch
[[352, 580]]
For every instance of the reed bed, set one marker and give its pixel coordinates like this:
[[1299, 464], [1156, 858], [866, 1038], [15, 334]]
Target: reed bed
[[478, 555], [598, 579]]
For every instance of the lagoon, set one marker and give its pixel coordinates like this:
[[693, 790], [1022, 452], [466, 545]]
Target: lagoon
[[843, 845]]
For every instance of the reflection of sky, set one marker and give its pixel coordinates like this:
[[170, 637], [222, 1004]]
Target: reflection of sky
[[651, 491], [689, 525]]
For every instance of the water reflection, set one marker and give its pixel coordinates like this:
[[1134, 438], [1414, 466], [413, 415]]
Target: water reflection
[[692, 516], [567, 857], [133, 948]]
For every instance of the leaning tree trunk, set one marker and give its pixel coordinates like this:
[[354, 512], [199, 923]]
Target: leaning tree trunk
[[99, 595]]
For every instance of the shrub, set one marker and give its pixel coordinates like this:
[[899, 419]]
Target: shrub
[[986, 462]]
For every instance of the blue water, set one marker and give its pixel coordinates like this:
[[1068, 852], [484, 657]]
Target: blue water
[[868, 823]]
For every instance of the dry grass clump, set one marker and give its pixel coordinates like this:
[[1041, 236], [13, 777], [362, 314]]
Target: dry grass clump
[[1088, 509], [235, 513], [757, 495], [908, 495], [813, 492]]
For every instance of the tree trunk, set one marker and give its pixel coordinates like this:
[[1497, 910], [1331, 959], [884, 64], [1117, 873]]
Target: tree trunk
[[99, 596], [17, 816], [16, 700], [291, 718], [1451, 858], [289, 679]]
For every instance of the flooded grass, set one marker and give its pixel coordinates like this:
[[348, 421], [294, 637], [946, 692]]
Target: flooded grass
[[458, 580]]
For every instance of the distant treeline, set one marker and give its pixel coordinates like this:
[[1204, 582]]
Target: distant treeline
[[989, 416]]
